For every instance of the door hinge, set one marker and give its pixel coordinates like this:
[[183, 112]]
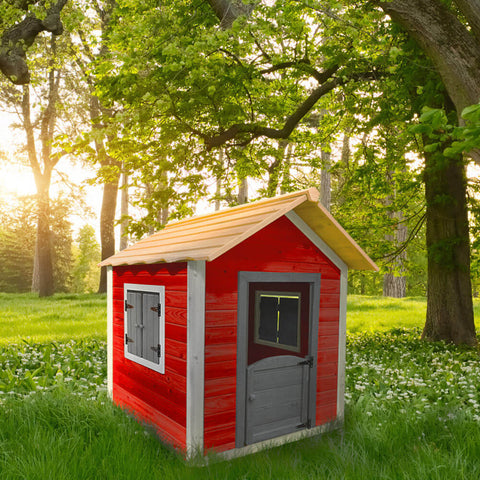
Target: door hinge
[[128, 339], [157, 349], [307, 424], [127, 306], [157, 309], [308, 361]]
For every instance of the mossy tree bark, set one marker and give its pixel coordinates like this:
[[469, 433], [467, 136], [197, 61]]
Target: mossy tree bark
[[449, 295]]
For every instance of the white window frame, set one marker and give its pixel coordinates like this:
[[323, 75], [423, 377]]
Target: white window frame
[[160, 366]]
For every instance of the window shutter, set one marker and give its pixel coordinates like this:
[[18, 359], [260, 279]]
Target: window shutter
[[145, 325], [134, 323], [288, 321], [151, 339]]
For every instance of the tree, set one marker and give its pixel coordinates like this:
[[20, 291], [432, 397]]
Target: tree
[[85, 271], [20, 24], [434, 26], [17, 244], [453, 45], [194, 88]]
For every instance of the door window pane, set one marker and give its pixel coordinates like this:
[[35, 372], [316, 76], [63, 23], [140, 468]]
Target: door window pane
[[277, 319]]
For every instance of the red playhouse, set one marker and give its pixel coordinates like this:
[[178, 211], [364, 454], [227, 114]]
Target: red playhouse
[[226, 331]]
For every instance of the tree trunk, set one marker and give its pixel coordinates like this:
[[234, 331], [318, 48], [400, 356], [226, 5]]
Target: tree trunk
[[395, 282], [325, 181], [449, 295], [42, 279], [107, 227], [124, 213], [243, 192]]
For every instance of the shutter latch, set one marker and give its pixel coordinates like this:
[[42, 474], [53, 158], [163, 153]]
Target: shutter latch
[[157, 349], [157, 309]]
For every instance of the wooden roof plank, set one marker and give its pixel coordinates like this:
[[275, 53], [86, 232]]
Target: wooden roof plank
[[208, 236]]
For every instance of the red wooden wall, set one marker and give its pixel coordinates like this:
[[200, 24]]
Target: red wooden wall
[[154, 398], [279, 247]]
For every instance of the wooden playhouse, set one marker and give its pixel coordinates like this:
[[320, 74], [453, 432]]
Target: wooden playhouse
[[226, 331]]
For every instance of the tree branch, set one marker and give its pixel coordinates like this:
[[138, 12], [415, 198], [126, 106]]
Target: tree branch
[[251, 131], [246, 133], [320, 77], [471, 10], [16, 41]]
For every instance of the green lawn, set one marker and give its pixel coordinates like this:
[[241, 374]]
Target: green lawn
[[412, 408], [61, 317], [64, 317]]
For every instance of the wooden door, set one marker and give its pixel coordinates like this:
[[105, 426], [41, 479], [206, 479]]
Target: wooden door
[[277, 397], [278, 371]]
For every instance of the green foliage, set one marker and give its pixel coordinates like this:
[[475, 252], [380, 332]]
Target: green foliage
[[33, 367], [17, 248], [17, 245], [86, 274]]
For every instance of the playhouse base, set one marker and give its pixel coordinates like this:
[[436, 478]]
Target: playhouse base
[[272, 443]]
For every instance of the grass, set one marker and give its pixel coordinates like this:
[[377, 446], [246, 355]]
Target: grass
[[412, 408], [59, 318], [373, 314]]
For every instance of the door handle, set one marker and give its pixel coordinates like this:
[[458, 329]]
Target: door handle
[[251, 397]]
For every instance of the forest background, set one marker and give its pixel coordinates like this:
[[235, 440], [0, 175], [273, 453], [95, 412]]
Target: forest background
[[168, 105]]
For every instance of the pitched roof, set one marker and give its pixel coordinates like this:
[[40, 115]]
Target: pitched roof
[[206, 237]]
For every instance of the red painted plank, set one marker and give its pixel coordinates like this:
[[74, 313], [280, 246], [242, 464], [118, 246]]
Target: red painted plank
[[175, 349], [326, 369], [176, 332], [178, 268], [169, 391], [220, 439], [327, 356], [220, 353], [217, 335], [212, 422], [325, 414], [330, 286], [176, 315], [329, 315], [219, 404], [326, 398], [152, 397], [168, 430], [326, 342], [329, 301], [220, 370], [325, 384], [327, 328], [215, 300], [220, 386], [221, 318]]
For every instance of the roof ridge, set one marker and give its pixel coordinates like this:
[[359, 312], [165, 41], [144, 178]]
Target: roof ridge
[[313, 195]]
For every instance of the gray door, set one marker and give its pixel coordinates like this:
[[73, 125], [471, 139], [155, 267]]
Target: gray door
[[277, 397]]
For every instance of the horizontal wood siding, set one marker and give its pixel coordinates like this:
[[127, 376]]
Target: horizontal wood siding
[[154, 398], [280, 247]]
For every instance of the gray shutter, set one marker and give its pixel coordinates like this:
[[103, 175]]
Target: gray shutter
[[288, 321], [134, 323], [151, 329]]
